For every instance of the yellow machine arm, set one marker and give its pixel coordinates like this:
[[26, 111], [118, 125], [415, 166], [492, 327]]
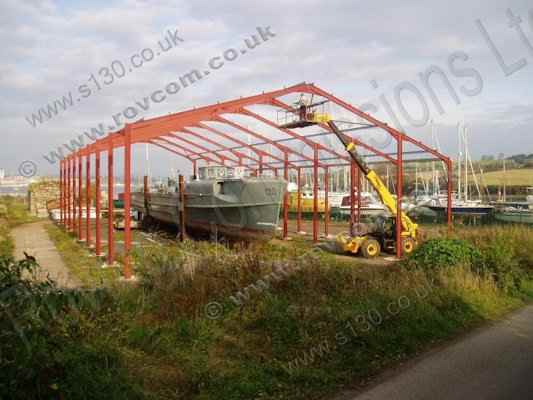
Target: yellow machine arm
[[409, 228]]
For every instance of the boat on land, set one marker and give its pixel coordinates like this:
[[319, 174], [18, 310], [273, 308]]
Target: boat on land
[[307, 199], [370, 205], [222, 202]]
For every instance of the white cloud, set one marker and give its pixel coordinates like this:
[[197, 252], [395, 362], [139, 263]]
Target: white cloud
[[50, 49]]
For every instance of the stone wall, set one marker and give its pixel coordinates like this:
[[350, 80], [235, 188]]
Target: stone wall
[[42, 197]]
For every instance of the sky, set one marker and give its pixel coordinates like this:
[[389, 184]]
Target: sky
[[370, 54]]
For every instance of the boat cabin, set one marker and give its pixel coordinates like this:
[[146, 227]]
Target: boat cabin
[[220, 172]]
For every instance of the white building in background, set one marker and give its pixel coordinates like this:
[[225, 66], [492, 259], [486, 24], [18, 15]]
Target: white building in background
[[2, 173]]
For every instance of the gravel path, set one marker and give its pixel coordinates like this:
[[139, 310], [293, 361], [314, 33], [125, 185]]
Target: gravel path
[[33, 239]]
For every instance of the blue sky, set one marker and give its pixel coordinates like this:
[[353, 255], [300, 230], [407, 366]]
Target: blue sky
[[51, 47]]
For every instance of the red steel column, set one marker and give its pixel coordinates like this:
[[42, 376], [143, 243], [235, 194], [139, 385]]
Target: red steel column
[[358, 219], [80, 192], [286, 198], [110, 210], [88, 199], [450, 188], [326, 201], [181, 189], [127, 202], [399, 194], [299, 201], [66, 193], [98, 199], [71, 194], [74, 195], [352, 197], [60, 192], [64, 189], [315, 194]]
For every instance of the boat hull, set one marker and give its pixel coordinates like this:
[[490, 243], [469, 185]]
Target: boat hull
[[463, 210], [520, 217], [244, 209]]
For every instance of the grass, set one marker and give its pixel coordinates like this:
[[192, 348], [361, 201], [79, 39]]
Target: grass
[[513, 177], [13, 212], [285, 322], [81, 262]]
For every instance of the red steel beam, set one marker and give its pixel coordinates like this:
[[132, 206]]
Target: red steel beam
[[237, 153], [232, 138], [222, 157], [187, 150], [171, 150], [154, 127], [147, 129], [395, 133], [256, 150], [292, 133], [279, 146]]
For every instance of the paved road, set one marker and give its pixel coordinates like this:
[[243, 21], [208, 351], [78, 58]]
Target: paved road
[[493, 363], [33, 239]]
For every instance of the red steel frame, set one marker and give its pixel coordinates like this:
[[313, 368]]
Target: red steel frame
[[88, 199], [80, 191], [165, 132]]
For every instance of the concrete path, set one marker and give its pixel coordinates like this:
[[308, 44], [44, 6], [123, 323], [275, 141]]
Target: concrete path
[[492, 363], [33, 239]]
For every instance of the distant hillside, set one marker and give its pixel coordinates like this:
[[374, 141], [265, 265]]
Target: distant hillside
[[491, 163], [513, 177]]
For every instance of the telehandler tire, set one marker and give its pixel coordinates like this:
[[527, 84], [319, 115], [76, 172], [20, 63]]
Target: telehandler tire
[[370, 248]]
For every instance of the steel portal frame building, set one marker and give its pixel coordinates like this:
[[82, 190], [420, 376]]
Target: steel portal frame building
[[174, 133]]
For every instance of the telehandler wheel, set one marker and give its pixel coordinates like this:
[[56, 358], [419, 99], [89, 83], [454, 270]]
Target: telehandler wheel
[[408, 245], [370, 248]]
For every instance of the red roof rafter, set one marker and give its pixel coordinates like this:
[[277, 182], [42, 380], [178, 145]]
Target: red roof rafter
[[178, 126]]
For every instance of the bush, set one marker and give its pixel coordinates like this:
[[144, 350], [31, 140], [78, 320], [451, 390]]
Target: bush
[[445, 253], [500, 261], [45, 340], [495, 256]]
